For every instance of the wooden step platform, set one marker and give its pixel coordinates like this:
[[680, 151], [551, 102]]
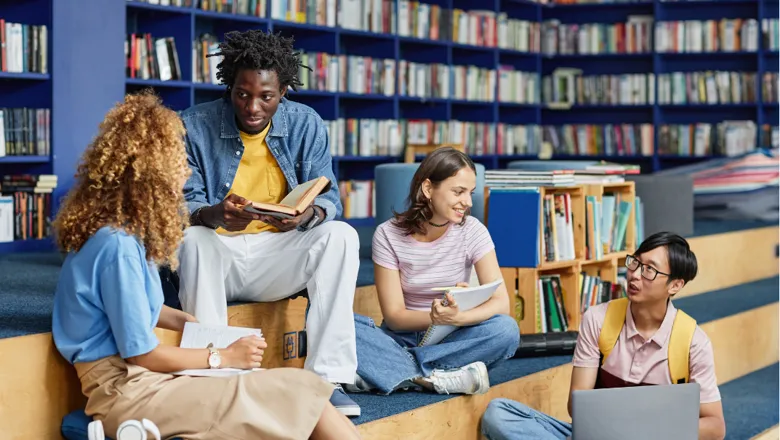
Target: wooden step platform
[[733, 258], [772, 433], [37, 387]]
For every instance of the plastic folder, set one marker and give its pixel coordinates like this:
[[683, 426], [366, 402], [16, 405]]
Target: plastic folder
[[513, 223]]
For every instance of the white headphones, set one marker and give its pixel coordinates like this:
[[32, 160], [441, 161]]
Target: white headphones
[[128, 430]]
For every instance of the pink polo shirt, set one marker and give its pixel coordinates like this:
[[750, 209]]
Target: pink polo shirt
[[637, 360]]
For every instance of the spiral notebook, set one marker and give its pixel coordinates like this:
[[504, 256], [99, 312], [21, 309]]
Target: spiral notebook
[[467, 298]]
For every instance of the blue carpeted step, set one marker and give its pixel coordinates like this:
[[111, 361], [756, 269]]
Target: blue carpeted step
[[373, 406], [712, 227], [750, 403], [721, 303]]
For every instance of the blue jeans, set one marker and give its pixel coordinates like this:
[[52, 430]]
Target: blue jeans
[[506, 419], [388, 359]]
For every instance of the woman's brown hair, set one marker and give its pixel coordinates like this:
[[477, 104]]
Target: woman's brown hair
[[131, 177], [437, 167]]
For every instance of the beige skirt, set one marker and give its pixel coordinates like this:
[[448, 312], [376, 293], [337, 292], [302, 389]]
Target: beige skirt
[[275, 404]]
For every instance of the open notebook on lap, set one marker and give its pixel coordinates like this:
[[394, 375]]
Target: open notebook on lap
[[637, 413], [467, 298]]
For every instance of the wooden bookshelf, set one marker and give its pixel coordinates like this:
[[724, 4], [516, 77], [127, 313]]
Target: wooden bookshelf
[[522, 282]]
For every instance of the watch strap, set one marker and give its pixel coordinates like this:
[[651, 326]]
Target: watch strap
[[315, 218]]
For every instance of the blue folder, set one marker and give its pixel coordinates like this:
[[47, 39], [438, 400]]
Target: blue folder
[[513, 223]]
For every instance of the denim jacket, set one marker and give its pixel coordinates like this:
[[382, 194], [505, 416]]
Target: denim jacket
[[298, 139]]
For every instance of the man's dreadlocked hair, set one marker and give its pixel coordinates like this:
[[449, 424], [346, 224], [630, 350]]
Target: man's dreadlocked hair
[[258, 50]]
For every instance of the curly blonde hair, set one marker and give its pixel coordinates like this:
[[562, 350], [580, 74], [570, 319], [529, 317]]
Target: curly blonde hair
[[131, 177]]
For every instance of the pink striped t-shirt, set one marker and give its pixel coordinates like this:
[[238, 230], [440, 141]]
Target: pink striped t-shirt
[[443, 262]]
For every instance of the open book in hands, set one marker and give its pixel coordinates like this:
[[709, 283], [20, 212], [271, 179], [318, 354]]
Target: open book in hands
[[198, 335], [297, 201]]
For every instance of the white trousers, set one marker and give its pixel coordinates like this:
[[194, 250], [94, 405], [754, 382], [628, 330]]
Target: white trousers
[[216, 269]]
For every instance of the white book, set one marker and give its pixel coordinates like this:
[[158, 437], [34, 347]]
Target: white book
[[198, 335], [6, 219]]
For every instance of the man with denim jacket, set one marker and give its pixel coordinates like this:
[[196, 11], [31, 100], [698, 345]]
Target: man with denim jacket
[[255, 145]]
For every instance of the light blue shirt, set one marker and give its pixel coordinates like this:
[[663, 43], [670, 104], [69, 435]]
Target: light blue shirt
[[108, 299]]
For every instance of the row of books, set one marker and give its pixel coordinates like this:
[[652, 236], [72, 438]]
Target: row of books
[[728, 138], [411, 19], [372, 137], [204, 67], [557, 228], [725, 35], [570, 86], [550, 306], [243, 7], [347, 73], [358, 198], [23, 47], [608, 139], [594, 290], [369, 137], [633, 36], [367, 75], [606, 224], [152, 58], [710, 87], [25, 131], [468, 83], [25, 206]]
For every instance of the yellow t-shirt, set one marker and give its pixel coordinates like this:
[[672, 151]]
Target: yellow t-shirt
[[258, 178]]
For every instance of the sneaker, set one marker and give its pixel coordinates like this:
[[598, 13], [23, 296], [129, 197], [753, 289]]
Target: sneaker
[[470, 379], [360, 386], [343, 403]]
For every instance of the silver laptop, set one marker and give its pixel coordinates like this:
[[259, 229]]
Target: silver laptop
[[637, 413]]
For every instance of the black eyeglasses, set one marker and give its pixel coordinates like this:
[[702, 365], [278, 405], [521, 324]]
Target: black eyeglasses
[[647, 272]]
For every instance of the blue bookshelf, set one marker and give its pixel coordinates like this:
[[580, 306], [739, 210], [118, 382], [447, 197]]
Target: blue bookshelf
[[87, 73], [25, 89], [83, 78]]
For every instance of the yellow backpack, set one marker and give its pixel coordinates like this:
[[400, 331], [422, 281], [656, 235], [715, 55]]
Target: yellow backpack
[[679, 343]]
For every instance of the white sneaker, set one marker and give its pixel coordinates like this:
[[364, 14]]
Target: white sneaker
[[470, 379], [360, 386]]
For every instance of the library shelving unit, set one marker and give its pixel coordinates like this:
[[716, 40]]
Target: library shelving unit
[[82, 80], [186, 24], [24, 87], [88, 73], [522, 282]]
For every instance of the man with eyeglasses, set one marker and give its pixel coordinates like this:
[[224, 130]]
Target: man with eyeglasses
[[661, 266]]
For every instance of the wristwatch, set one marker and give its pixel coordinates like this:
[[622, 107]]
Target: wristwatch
[[215, 359], [200, 221], [315, 218]]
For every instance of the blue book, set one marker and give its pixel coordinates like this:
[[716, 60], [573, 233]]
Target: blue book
[[513, 222]]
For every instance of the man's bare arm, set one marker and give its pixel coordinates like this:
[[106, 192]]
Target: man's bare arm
[[582, 379]]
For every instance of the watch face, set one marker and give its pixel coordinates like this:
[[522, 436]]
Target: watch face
[[215, 360]]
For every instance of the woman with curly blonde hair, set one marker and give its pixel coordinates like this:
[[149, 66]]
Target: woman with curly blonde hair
[[123, 218]]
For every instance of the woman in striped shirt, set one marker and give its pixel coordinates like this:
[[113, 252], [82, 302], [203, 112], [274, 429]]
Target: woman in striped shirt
[[434, 243]]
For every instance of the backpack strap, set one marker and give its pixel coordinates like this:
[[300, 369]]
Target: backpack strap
[[680, 347], [613, 324]]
